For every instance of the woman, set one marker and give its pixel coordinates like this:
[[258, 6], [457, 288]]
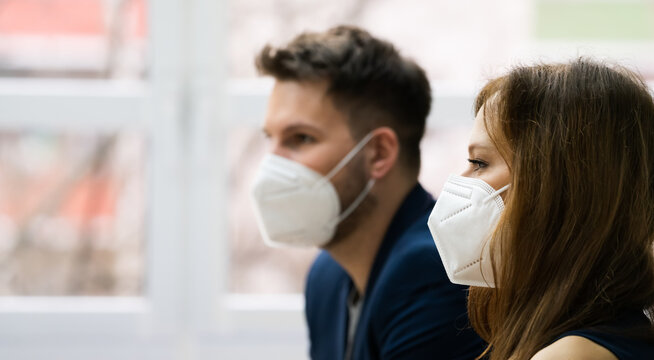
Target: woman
[[553, 222]]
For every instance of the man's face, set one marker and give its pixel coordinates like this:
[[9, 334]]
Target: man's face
[[303, 125]]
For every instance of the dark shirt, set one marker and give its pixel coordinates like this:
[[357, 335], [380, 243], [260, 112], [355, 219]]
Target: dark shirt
[[622, 336], [410, 310]]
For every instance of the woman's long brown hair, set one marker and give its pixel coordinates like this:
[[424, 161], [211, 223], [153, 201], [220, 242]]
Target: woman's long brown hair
[[575, 241]]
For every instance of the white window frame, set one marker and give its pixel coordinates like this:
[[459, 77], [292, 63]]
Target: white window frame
[[162, 323], [182, 111]]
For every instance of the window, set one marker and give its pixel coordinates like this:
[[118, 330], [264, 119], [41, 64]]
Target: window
[[72, 38], [615, 31], [72, 214]]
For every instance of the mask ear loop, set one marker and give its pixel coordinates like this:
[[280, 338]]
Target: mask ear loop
[[496, 192], [350, 155], [355, 150], [490, 197], [356, 201]]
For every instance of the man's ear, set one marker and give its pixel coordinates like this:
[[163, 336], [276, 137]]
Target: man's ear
[[383, 151]]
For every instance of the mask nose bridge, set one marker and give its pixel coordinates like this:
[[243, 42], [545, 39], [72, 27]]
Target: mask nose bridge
[[458, 189], [280, 171]]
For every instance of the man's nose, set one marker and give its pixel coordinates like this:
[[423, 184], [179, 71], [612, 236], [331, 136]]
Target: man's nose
[[277, 147]]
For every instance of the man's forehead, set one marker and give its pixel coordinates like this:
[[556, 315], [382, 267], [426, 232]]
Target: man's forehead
[[301, 103], [317, 90]]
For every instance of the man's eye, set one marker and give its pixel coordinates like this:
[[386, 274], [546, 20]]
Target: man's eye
[[303, 139], [299, 139], [477, 164]]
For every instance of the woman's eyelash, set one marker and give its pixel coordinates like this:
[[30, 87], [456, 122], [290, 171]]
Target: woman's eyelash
[[478, 163]]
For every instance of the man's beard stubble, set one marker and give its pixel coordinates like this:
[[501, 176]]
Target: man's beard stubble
[[355, 181]]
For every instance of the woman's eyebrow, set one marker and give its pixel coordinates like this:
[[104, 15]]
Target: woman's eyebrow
[[474, 146]]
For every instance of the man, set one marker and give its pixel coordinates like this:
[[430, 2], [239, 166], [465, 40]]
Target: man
[[344, 120]]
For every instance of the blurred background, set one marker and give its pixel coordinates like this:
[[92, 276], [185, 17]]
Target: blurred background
[[130, 131]]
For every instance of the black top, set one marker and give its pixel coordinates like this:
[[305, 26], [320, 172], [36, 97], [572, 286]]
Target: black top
[[621, 337]]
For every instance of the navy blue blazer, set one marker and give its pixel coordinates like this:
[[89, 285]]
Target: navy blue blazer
[[410, 311]]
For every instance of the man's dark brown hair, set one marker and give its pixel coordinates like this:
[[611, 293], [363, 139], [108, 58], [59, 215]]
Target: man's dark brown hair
[[369, 81]]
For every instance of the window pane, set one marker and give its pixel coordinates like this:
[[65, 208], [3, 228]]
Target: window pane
[[71, 214], [453, 40], [602, 20], [72, 38], [462, 41]]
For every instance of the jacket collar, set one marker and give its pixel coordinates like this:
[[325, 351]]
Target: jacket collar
[[416, 204]]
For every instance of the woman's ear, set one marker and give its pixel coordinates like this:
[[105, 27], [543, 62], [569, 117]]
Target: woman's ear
[[383, 152]]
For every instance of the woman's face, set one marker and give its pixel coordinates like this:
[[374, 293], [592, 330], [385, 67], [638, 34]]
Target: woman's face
[[485, 161]]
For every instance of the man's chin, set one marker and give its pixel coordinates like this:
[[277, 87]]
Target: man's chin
[[351, 224]]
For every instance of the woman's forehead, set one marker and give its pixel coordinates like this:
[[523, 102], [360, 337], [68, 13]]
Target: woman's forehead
[[479, 135]]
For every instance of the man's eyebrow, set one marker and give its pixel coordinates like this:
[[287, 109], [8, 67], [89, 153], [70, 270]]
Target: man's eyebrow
[[301, 126]]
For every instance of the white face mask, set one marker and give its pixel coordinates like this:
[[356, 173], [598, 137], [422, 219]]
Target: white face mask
[[461, 223], [296, 206]]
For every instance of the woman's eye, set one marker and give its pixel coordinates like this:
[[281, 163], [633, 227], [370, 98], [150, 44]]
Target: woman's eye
[[477, 164]]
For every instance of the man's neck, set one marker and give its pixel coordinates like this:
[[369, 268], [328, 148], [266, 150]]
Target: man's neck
[[357, 251]]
